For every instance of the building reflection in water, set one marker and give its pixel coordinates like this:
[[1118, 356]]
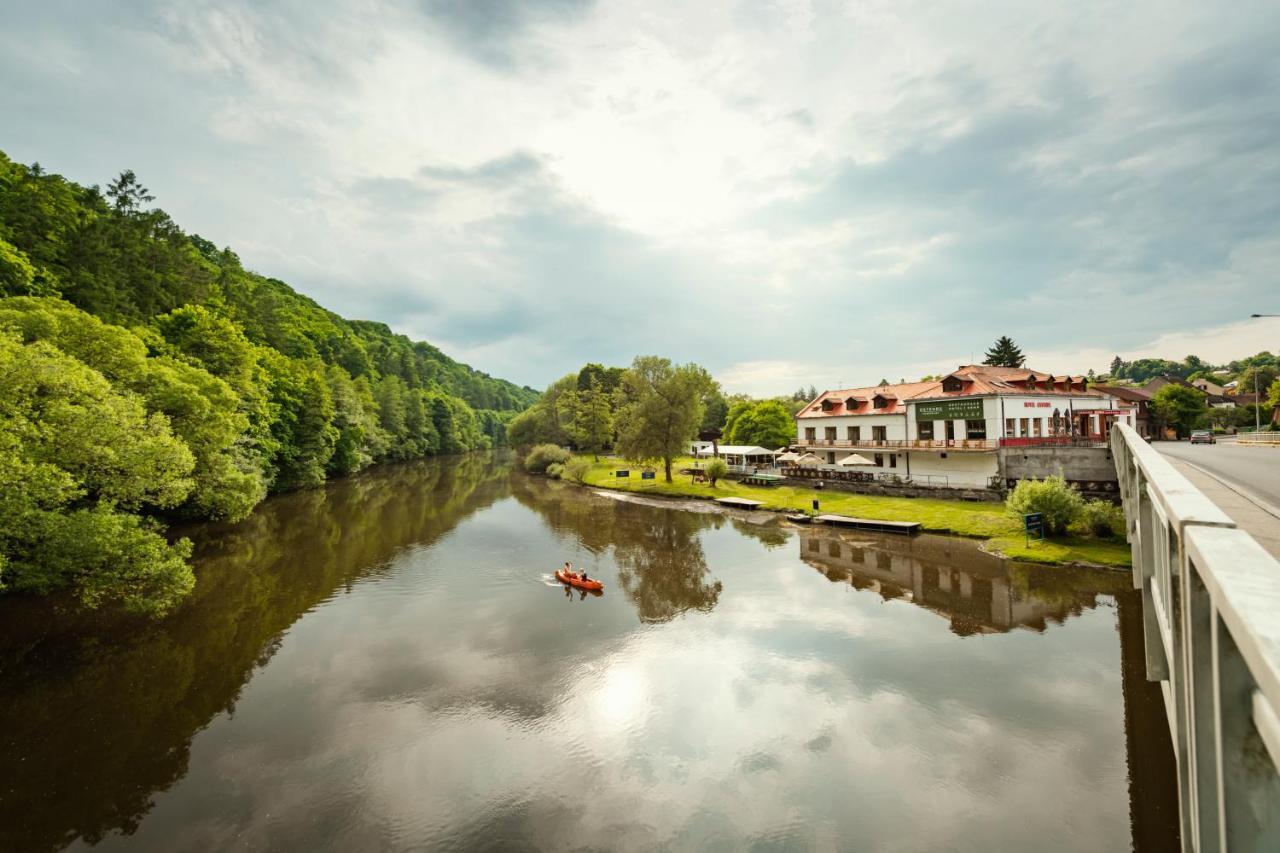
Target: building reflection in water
[[983, 594], [979, 593]]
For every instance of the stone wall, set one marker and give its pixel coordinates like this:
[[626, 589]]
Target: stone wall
[[1090, 469]]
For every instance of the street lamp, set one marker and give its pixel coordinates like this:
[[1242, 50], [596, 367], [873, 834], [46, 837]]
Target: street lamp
[[1257, 399]]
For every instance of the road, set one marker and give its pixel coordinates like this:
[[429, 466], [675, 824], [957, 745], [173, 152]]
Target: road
[[1255, 469]]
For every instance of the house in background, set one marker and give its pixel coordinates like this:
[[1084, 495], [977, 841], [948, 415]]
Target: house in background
[[976, 427], [1136, 398]]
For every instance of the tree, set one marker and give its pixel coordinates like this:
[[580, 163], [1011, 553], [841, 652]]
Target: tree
[[1117, 368], [1260, 377], [716, 409], [663, 410], [1005, 353], [717, 469], [588, 414], [1179, 407], [765, 423]]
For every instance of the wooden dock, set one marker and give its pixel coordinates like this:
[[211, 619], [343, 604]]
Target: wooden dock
[[907, 527], [740, 503]]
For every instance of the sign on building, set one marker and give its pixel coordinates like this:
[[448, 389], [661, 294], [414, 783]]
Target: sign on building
[[950, 410]]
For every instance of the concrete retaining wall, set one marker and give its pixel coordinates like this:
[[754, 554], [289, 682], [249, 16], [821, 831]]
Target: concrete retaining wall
[[1075, 463]]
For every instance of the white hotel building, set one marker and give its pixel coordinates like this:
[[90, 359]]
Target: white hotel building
[[959, 430]]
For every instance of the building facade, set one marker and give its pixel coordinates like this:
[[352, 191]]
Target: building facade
[[951, 432]]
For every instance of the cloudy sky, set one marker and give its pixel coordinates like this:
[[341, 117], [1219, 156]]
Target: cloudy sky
[[787, 192]]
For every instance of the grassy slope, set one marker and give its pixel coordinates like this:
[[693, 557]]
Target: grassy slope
[[982, 520]]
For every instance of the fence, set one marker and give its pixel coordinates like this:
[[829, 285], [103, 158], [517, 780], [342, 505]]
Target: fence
[[1211, 622], [1263, 437]]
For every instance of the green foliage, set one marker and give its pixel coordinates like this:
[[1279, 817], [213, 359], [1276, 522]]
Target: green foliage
[[1179, 407], [577, 468], [764, 423], [663, 409], [715, 411], [540, 457], [555, 470], [1060, 502], [1005, 353], [717, 469], [1273, 395], [587, 415], [78, 460], [1102, 519], [169, 379]]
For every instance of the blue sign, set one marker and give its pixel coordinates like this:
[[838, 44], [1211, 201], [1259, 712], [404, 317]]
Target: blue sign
[[1033, 523], [648, 475], [624, 473]]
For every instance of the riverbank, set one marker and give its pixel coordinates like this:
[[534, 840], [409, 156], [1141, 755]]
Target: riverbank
[[1003, 534]]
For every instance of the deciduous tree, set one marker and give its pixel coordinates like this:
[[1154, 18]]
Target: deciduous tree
[[663, 410]]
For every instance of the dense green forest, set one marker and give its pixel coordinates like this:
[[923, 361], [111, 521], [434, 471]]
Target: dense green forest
[[146, 375]]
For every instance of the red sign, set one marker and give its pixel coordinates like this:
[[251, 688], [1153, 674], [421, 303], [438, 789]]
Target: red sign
[[1036, 405]]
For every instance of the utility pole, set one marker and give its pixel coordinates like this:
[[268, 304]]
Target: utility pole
[[1257, 398]]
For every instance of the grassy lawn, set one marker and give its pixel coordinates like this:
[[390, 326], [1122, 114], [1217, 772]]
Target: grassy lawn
[[981, 520]]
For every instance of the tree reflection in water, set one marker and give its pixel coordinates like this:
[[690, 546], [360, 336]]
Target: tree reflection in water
[[660, 561], [97, 712]]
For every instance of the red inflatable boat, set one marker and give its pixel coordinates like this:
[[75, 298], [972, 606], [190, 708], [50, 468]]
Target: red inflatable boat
[[574, 580]]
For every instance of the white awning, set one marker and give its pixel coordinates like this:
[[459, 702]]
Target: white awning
[[745, 450], [854, 459], [789, 457]]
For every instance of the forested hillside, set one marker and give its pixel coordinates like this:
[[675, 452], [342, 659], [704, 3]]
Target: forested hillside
[[144, 374]]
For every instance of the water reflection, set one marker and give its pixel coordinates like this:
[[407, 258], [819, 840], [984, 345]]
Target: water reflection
[[658, 551], [383, 666], [977, 592], [97, 714]]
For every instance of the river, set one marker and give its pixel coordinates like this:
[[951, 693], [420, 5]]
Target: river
[[385, 664]]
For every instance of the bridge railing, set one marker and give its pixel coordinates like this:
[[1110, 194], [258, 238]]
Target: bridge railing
[[1211, 621]]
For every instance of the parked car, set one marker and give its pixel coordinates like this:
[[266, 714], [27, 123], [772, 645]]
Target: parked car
[[1203, 436]]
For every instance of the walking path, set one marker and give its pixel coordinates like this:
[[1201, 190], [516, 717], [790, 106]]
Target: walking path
[[1251, 513]]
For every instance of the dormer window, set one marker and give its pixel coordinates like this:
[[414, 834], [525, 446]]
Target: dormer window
[[879, 402], [952, 384], [828, 405]]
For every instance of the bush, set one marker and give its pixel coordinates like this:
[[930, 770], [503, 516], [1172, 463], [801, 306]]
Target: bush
[[555, 470], [542, 455], [1060, 503], [1102, 518], [717, 469], [576, 469]]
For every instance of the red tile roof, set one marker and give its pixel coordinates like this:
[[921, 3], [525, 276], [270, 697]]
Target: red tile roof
[[976, 379]]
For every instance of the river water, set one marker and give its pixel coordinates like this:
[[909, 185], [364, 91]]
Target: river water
[[385, 664]]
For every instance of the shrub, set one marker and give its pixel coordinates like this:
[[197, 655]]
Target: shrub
[[542, 455], [555, 470], [717, 469], [576, 469], [1060, 503], [1102, 518]]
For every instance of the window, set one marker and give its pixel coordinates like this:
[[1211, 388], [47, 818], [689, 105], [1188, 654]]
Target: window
[[851, 433], [831, 433], [1036, 427], [833, 549], [924, 430], [951, 384], [879, 402], [879, 433], [815, 545], [1010, 427], [1025, 428], [879, 460], [810, 433], [975, 429], [893, 460], [831, 458]]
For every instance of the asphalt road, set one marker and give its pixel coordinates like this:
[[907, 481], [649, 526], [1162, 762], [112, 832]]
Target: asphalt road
[[1256, 469]]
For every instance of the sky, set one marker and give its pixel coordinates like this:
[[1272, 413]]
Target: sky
[[788, 193]]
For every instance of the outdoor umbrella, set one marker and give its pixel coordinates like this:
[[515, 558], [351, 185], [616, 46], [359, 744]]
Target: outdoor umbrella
[[809, 459], [855, 459], [788, 457]]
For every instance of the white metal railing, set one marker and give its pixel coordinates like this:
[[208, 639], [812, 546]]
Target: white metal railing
[[1211, 622], [1258, 437]]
